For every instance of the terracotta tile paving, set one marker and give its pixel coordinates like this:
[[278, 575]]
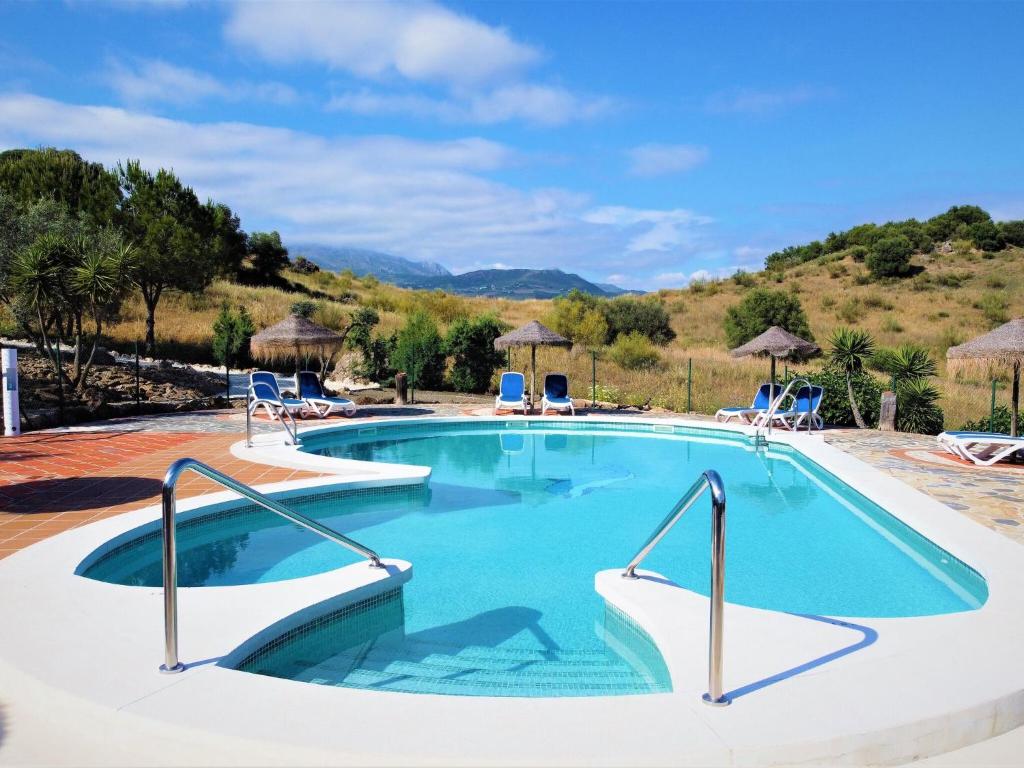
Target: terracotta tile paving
[[50, 482]]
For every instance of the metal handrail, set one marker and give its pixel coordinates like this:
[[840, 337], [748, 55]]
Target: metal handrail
[[768, 417], [170, 555], [711, 481], [252, 405]]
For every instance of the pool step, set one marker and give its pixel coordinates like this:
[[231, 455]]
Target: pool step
[[416, 667]]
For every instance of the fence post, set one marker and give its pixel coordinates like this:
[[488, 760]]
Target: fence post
[[138, 398], [689, 384], [992, 409], [60, 383], [593, 378]]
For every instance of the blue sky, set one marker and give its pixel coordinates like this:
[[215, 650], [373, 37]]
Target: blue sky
[[636, 143]]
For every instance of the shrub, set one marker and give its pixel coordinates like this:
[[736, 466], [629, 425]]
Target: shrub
[[952, 279], [419, 351], [759, 310], [859, 252], [304, 266], [851, 310], [744, 279], [877, 301], [827, 302], [231, 334], [471, 344], [304, 308], [647, 316], [993, 306], [1000, 422], [635, 352], [891, 325], [916, 409], [835, 405], [1013, 232], [986, 236], [890, 257], [995, 282], [377, 353], [576, 316], [835, 271]]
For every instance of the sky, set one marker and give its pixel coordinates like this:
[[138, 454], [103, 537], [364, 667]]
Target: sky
[[641, 143]]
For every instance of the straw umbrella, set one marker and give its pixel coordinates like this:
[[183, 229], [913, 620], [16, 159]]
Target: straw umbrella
[[531, 335], [1003, 346], [295, 336], [777, 342]]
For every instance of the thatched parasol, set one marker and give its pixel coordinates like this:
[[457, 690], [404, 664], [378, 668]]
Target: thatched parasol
[[532, 335], [777, 342], [1003, 346], [295, 336]]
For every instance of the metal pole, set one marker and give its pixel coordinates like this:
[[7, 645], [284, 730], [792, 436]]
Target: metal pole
[[227, 380], [248, 423], [171, 663], [715, 695], [593, 378], [138, 398], [992, 409], [60, 383], [689, 384]]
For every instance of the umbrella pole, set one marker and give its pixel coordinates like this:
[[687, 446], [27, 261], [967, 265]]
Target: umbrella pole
[[773, 374], [1015, 404], [533, 374]]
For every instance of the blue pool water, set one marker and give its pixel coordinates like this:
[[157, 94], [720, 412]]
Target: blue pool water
[[506, 540]]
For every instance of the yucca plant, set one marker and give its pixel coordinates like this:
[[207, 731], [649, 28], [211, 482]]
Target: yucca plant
[[916, 408], [851, 349], [904, 363]]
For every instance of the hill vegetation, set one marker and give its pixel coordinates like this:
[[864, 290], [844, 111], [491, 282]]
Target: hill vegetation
[[188, 266]]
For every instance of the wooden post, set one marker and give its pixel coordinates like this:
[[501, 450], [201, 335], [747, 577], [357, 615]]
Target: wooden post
[[887, 414], [533, 374], [401, 389]]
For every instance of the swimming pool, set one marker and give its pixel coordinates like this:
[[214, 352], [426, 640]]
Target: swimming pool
[[505, 542]]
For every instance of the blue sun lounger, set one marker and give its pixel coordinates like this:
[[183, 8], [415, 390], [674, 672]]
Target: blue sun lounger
[[556, 394], [760, 405], [511, 393], [309, 388]]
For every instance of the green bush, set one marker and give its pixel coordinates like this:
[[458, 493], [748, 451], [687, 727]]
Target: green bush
[[859, 252], [835, 405], [1000, 423], [471, 344], [916, 408], [890, 257], [993, 306], [231, 334], [1013, 232], [647, 316], [759, 310], [986, 235], [744, 279], [635, 352], [420, 352]]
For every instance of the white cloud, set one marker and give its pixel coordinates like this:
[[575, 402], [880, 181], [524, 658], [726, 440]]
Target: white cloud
[[658, 159], [651, 230], [418, 41], [152, 81], [538, 104], [430, 200], [759, 102], [749, 252]]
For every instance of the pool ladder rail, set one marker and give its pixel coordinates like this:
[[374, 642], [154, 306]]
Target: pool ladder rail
[[274, 408], [170, 555], [760, 441], [708, 481]]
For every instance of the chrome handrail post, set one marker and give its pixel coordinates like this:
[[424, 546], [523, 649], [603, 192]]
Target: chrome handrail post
[[170, 559], [715, 695], [686, 501], [170, 556], [248, 423]]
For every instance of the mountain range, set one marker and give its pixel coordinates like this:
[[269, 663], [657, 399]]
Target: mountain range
[[498, 283]]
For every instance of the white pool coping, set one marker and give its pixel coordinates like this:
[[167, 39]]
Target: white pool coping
[[922, 686]]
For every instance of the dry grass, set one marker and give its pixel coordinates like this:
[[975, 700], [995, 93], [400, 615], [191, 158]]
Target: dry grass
[[955, 298]]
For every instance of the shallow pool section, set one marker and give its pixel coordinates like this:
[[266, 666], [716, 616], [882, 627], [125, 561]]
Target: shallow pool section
[[505, 542]]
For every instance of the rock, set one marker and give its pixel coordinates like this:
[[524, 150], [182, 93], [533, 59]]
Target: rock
[[102, 357]]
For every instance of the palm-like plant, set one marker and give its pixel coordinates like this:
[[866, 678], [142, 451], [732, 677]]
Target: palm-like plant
[[851, 349], [905, 363]]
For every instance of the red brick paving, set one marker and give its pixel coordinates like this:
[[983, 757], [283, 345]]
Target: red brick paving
[[56, 481]]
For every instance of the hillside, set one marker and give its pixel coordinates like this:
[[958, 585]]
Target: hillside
[[512, 284], [363, 262]]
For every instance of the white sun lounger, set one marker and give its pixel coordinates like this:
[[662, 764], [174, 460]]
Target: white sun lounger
[[981, 448]]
